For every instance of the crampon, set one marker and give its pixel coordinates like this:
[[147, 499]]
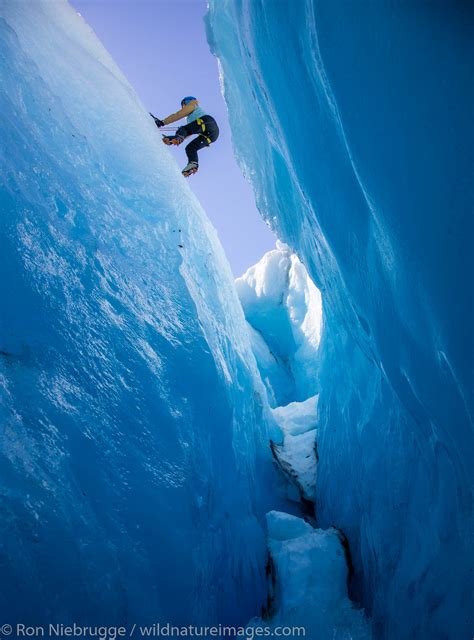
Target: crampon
[[189, 169], [169, 140]]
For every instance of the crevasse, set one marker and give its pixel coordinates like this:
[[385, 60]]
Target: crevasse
[[135, 436], [308, 569], [283, 309], [136, 469], [352, 122]]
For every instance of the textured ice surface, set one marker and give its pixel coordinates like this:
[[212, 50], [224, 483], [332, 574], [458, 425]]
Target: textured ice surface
[[297, 454], [284, 313], [132, 424], [283, 308], [297, 417], [352, 121], [311, 589]]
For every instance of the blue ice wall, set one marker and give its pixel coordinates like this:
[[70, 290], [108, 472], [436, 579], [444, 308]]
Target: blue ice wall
[[353, 121], [134, 458]]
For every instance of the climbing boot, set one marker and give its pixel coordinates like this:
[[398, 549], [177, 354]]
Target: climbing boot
[[189, 169], [169, 140]]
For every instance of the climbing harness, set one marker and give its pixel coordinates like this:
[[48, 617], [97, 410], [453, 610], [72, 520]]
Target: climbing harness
[[200, 122]]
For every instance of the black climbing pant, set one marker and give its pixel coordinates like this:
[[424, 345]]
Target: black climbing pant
[[204, 139]]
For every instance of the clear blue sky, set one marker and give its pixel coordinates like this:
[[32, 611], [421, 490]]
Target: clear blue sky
[[160, 45]]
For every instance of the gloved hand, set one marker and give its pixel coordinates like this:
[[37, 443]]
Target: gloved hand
[[159, 123]]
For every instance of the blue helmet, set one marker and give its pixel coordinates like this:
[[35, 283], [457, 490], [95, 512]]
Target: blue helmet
[[187, 100]]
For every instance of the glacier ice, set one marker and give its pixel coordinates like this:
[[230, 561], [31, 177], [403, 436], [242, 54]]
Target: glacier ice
[[297, 418], [135, 469], [308, 569], [352, 121], [311, 572], [283, 308], [297, 454]]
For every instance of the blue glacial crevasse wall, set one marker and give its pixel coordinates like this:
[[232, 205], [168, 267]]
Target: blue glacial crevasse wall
[[133, 444], [352, 122]]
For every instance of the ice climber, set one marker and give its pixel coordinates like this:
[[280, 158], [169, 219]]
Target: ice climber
[[197, 122]]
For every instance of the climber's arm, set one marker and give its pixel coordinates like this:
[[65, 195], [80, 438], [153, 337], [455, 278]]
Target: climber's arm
[[182, 113]]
